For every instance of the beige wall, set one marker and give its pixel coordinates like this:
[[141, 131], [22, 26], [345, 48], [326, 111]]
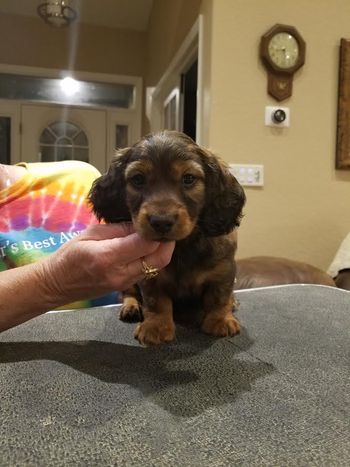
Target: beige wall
[[170, 22], [303, 211], [30, 42]]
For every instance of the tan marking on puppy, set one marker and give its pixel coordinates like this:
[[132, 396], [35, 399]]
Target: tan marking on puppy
[[181, 228], [210, 275], [184, 167], [131, 309], [144, 166], [158, 325], [170, 203], [180, 167], [221, 322]]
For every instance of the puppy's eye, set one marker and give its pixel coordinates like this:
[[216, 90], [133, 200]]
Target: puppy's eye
[[138, 180], [188, 180]]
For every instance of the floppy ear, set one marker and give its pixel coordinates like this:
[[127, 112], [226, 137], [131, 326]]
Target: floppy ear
[[224, 198], [107, 195]]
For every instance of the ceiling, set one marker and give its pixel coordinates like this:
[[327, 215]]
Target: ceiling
[[125, 14]]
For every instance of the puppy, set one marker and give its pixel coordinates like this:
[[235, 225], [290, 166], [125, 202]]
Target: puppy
[[173, 189]]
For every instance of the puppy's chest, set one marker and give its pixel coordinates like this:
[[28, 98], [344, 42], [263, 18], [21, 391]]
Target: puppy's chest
[[191, 269], [186, 280]]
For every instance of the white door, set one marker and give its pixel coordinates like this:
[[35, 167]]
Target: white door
[[123, 130], [53, 132]]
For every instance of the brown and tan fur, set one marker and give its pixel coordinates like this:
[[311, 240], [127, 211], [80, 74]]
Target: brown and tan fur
[[173, 189]]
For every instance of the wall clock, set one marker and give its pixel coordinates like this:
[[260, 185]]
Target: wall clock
[[282, 50]]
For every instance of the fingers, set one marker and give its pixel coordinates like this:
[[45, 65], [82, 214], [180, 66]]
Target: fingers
[[107, 231], [158, 259], [132, 247], [127, 246], [162, 256], [120, 251]]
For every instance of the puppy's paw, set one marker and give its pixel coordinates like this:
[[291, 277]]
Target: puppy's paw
[[221, 326], [131, 313], [154, 332]]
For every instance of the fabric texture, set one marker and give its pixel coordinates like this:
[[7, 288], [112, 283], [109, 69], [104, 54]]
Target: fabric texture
[[78, 390], [43, 210]]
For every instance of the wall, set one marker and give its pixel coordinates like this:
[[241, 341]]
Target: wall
[[169, 23], [30, 42], [303, 211]]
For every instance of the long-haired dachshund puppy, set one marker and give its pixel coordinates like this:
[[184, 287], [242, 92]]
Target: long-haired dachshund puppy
[[173, 189]]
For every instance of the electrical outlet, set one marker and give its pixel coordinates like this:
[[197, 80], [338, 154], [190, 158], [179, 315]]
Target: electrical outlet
[[247, 174]]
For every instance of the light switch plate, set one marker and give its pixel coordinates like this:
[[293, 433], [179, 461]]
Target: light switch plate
[[248, 174]]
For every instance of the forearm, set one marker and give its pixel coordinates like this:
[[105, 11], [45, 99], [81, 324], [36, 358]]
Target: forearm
[[24, 294], [103, 259]]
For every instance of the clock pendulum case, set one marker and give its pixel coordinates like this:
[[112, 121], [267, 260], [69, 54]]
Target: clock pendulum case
[[282, 51]]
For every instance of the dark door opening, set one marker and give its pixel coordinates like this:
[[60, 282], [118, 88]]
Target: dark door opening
[[5, 140], [189, 100]]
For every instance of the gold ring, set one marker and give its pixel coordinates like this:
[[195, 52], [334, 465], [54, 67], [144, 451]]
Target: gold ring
[[149, 271]]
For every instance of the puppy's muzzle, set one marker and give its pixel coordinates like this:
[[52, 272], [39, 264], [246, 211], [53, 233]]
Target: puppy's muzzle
[[162, 224]]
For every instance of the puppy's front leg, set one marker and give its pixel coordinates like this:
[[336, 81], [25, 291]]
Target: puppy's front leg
[[131, 310], [158, 324], [218, 308]]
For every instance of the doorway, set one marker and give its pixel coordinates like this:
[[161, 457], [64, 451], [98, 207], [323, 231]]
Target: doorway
[[175, 102], [47, 127], [5, 140], [189, 83], [49, 132], [52, 133]]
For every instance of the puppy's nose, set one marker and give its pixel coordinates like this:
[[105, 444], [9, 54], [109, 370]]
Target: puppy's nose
[[162, 223]]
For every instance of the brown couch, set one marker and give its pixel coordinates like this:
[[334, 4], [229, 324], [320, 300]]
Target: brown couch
[[343, 279], [263, 271]]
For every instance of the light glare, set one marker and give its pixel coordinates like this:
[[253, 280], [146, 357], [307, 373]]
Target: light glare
[[69, 86]]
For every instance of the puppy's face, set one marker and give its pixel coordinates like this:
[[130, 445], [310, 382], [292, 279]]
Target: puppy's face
[[165, 191], [168, 186]]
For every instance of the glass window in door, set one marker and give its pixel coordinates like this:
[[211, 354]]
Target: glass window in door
[[121, 136], [63, 141]]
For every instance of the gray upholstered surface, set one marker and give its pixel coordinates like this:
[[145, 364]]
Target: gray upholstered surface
[[77, 390]]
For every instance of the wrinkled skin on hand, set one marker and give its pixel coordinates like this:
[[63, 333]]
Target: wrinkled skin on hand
[[104, 258]]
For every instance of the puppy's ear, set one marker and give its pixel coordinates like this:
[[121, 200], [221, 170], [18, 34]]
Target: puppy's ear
[[107, 196], [224, 198]]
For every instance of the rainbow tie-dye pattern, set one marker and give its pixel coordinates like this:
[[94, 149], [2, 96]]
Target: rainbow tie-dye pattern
[[42, 211]]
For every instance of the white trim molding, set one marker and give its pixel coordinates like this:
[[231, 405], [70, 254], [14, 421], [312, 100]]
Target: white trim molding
[[190, 49]]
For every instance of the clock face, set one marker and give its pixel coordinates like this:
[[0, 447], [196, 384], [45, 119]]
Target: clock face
[[283, 50]]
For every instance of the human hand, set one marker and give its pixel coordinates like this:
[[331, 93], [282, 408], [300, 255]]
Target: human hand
[[102, 259]]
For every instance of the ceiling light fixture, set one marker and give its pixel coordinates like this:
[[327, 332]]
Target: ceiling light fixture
[[57, 13], [69, 86]]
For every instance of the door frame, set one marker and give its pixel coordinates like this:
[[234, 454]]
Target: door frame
[[190, 49], [131, 116], [91, 121], [12, 109]]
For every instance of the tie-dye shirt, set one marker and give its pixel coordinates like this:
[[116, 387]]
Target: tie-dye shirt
[[43, 210]]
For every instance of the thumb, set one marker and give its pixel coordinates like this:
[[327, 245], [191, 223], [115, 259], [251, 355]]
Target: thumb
[[107, 231]]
